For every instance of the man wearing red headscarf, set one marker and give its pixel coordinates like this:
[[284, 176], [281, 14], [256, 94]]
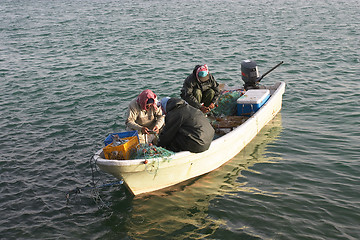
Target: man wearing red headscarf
[[144, 116]]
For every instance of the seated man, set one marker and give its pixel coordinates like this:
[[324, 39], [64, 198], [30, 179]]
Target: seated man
[[186, 128], [200, 89], [144, 116]]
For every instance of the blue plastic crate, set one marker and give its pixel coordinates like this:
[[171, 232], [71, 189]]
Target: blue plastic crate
[[109, 139]]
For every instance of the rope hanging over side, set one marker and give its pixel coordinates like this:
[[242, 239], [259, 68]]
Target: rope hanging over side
[[93, 186]]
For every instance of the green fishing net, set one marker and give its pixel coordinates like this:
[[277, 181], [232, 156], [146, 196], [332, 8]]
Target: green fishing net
[[227, 103], [148, 151]]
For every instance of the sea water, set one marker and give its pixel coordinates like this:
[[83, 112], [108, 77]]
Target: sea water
[[68, 70]]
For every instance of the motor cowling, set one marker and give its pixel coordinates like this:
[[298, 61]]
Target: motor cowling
[[249, 74]]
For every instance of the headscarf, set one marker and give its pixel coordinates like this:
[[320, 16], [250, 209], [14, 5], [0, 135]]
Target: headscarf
[[202, 73], [143, 98], [163, 103]]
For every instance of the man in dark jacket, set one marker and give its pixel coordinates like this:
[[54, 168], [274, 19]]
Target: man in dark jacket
[[200, 87], [186, 128]]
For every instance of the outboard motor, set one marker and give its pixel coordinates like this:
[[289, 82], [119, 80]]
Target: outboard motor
[[250, 74]]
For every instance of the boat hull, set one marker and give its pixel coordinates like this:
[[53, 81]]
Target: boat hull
[[147, 175]]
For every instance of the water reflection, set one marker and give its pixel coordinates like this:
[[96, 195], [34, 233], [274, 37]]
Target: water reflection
[[181, 211]]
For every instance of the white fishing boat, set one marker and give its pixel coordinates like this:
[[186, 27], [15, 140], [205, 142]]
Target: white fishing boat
[[147, 175]]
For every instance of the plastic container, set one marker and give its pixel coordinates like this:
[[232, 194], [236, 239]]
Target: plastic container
[[252, 101], [123, 151], [109, 138]]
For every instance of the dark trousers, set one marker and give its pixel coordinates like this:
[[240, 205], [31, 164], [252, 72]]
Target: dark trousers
[[205, 97]]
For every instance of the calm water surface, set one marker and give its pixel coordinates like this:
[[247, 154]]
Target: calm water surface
[[68, 70]]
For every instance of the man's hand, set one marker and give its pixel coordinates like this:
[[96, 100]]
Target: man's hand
[[145, 130], [212, 105], [204, 109], [156, 129]]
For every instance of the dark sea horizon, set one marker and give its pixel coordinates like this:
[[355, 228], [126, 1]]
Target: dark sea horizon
[[69, 69]]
